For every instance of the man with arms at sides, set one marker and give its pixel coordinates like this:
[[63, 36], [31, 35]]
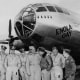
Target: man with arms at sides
[[12, 64], [33, 64], [23, 58]]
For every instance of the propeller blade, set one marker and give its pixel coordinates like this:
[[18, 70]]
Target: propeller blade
[[10, 28], [3, 42]]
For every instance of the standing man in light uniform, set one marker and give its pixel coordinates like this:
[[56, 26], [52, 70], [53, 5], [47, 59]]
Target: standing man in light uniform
[[23, 57], [58, 65], [2, 67], [12, 64], [33, 64]]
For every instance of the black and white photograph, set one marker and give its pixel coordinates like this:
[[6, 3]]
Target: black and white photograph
[[39, 39]]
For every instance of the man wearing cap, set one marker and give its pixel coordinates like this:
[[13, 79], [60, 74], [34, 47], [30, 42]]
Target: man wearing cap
[[33, 64], [70, 66], [58, 65], [12, 64], [2, 58], [23, 58]]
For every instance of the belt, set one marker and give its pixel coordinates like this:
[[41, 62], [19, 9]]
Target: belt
[[34, 65]]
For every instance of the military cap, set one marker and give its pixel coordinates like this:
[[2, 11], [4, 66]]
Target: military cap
[[67, 50], [41, 49]]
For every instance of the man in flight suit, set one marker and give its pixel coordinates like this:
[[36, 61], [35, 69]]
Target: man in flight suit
[[33, 64], [12, 64], [2, 58], [70, 66], [46, 63], [23, 58], [58, 65]]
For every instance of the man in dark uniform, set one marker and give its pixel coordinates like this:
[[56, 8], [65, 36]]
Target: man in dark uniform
[[46, 63], [70, 66]]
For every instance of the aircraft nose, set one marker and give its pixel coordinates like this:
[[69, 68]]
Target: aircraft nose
[[25, 23], [23, 30]]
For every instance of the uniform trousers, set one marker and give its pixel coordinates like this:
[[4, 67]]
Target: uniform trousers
[[12, 73], [45, 75], [56, 73], [23, 73], [35, 71], [2, 73]]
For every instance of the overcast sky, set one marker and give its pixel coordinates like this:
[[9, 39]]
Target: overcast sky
[[10, 8]]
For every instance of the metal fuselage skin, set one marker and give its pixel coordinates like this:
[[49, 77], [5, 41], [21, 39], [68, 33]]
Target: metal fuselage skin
[[53, 28], [60, 27]]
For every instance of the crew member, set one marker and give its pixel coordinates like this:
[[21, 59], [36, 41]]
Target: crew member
[[23, 58], [70, 66], [12, 64], [2, 67], [46, 63], [33, 64], [58, 65]]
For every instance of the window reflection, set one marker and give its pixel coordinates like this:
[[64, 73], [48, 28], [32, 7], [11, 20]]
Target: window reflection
[[40, 9], [51, 8]]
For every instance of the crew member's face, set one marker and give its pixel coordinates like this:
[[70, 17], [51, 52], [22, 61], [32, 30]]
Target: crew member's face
[[55, 51], [65, 54], [32, 49], [41, 52]]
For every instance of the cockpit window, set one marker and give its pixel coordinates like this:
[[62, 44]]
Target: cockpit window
[[59, 9], [51, 8], [41, 9], [28, 11], [66, 12]]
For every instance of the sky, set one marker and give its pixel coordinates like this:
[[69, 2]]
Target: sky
[[10, 8]]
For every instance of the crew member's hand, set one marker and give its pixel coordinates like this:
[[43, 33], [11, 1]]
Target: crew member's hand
[[28, 74]]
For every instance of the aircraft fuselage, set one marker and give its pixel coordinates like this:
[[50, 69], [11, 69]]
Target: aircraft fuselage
[[48, 27]]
